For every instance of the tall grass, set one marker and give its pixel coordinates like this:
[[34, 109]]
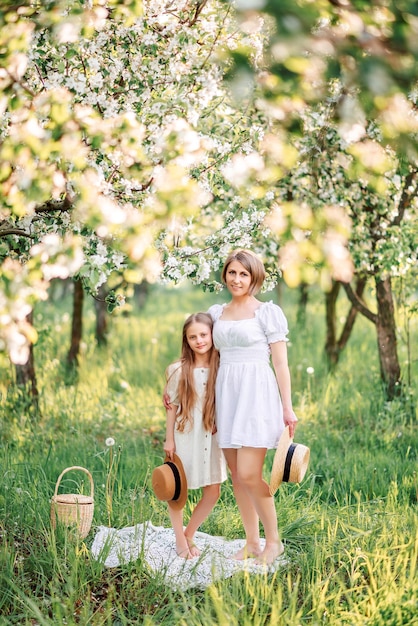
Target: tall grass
[[350, 528]]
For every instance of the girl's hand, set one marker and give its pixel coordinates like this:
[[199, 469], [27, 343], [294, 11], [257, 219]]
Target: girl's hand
[[169, 449], [290, 420]]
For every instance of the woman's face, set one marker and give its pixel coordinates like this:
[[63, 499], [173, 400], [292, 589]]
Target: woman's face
[[238, 279]]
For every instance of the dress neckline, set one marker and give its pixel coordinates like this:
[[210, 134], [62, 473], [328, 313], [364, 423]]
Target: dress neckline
[[244, 319]]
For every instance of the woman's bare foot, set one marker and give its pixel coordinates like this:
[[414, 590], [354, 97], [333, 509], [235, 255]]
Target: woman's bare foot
[[193, 549], [270, 553], [184, 554], [249, 551]]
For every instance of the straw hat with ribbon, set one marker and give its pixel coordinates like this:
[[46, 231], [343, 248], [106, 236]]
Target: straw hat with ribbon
[[290, 462], [170, 483]]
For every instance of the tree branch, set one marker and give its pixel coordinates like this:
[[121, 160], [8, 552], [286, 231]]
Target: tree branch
[[19, 82], [357, 302], [406, 198], [215, 40], [199, 7], [53, 205], [14, 231]]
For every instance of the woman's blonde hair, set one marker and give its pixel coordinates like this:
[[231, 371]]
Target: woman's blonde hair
[[187, 392], [252, 264]]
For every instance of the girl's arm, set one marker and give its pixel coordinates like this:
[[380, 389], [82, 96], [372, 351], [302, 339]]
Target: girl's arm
[[281, 369], [169, 444]]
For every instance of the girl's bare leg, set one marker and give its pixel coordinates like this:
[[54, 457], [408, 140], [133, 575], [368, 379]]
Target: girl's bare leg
[[250, 474], [246, 508], [209, 498], [176, 517]]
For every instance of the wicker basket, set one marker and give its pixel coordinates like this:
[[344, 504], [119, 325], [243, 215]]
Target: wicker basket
[[72, 509]]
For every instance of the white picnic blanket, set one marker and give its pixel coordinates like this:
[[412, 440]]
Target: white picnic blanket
[[156, 544]]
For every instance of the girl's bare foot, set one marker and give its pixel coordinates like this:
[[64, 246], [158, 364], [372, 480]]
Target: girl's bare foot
[[193, 549], [270, 553], [249, 551], [182, 549]]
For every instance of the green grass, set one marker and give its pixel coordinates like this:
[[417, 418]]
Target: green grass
[[350, 527]]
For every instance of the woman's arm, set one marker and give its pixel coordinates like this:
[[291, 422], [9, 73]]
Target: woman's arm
[[166, 399], [281, 369]]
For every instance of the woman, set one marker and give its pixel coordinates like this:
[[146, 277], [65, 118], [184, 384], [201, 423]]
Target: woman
[[253, 404]]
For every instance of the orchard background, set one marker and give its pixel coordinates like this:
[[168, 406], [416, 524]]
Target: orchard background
[[349, 529], [139, 143]]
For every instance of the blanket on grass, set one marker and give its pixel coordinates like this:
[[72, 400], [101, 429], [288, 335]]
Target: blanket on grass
[[157, 546]]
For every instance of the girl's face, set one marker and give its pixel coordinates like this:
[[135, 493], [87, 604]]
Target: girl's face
[[199, 337], [238, 279]]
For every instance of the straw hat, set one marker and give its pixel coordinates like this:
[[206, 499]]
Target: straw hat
[[290, 462], [170, 483]]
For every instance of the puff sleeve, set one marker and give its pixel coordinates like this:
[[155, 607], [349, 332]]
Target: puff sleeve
[[215, 311], [273, 321], [173, 378]]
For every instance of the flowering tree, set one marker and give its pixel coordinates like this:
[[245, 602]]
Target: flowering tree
[[383, 213], [368, 48], [118, 132], [108, 109], [363, 59], [357, 155]]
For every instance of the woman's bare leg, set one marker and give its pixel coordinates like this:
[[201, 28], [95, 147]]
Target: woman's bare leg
[[176, 517], [250, 474], [210, 496], [246, 508]]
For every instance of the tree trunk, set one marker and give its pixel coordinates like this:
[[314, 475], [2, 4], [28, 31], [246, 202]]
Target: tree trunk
[[101, 316], [26, 375], [351, 317], [386, 338], [302, 304], [77, 323], [331, 346], [141, 293]]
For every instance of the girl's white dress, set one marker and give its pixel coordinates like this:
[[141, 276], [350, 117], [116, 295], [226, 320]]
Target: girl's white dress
[[249, 410], [203, 460]]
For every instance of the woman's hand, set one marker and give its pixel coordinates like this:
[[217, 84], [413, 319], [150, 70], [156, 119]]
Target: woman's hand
[[166, 401], [290, 420], [169, 448]]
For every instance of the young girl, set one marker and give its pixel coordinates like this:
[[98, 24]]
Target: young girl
[[191, 425]]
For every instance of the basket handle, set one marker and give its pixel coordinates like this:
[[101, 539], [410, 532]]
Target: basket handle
[[75, 467]]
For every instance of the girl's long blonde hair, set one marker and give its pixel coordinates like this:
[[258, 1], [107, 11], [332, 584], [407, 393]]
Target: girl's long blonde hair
[[187, 391]]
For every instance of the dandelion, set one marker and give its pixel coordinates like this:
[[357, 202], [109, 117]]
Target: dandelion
[[113, 464], [310, 370]]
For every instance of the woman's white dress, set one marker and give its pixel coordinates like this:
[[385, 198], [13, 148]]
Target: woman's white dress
[[249, 410], [203, 460]]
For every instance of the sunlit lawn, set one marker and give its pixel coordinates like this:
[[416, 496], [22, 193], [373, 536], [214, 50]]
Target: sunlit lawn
[[350, 528]]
